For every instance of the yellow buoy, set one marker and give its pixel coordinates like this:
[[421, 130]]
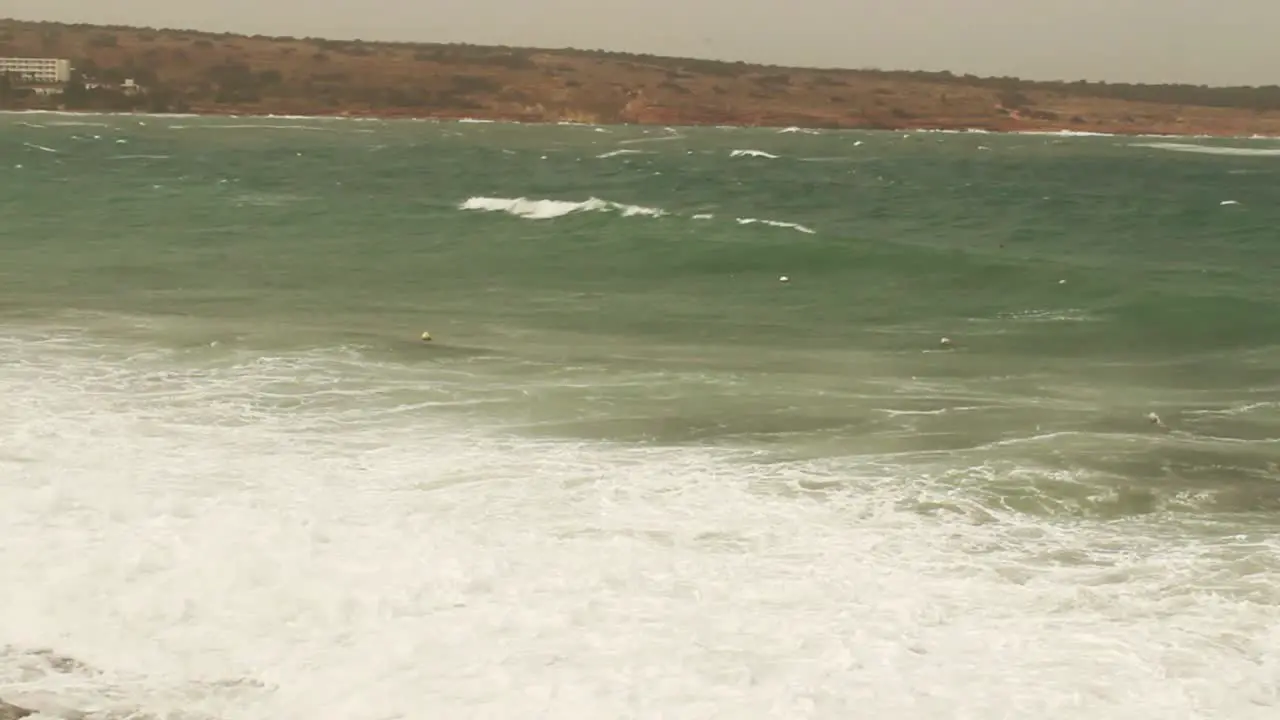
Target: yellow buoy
[[426, 336]]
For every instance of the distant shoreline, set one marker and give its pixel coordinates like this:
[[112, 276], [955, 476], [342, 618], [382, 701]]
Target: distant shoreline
[[232, 115], [190, 72]]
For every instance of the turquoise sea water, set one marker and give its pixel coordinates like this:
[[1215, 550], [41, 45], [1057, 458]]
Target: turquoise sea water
[[635, 473]]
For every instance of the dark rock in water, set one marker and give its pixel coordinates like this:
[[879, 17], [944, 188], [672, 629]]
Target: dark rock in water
[[62, 663], [13, 712]]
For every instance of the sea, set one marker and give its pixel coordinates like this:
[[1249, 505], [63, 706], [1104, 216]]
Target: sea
[[712, 422]]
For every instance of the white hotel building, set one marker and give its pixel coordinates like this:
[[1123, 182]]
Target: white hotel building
[[38, 70]]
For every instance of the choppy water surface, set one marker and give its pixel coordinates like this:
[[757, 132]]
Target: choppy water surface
[[635, 473]]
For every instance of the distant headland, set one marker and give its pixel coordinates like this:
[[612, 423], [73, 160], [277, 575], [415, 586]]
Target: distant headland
[[123, 69]]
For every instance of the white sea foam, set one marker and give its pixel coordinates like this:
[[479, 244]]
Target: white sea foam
[[1056, 315], [1063, 133], [77, 123], [267, 199], [1242, 409], [250, 126], [802, 131], [1212, 149], [547, 209], [753, 154], [616, 153], [320, 118], [270, 538], [665, 138], [776, 223]]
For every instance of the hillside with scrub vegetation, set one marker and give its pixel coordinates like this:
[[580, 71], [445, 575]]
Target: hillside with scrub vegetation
[[188, 71]]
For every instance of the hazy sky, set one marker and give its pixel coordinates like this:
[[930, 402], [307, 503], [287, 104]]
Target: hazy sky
[[1198, 41]]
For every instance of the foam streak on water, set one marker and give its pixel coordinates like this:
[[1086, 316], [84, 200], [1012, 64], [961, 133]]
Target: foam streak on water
[[190, 551]]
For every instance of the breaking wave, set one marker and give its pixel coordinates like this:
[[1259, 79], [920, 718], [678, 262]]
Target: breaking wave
[[776, 223], [546, 209]]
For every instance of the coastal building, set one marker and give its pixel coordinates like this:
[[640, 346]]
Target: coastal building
[[37, 70]]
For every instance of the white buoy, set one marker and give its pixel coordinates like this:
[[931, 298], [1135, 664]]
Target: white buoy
[[945, 342], [784, 278], [426, 336]]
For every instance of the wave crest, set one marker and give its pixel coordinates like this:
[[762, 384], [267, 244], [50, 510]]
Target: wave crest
[[548, 209]]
